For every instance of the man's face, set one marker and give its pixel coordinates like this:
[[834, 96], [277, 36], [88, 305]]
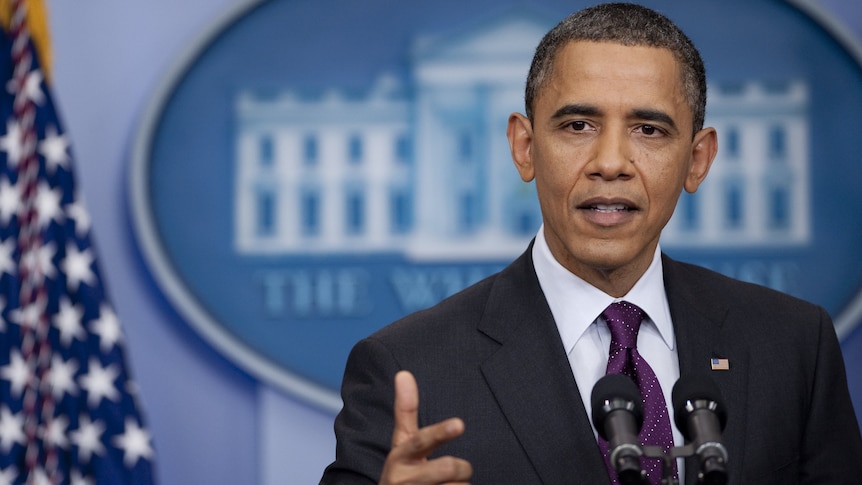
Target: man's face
[[610, 148]]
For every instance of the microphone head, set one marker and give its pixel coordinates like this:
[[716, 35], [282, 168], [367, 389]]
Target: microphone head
[[692, 392], [615, 392]]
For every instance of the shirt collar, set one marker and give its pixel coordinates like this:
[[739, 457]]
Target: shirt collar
[[576, 304]]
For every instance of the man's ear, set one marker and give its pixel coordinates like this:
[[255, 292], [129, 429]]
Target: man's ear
[[520, 134], [703, 150]]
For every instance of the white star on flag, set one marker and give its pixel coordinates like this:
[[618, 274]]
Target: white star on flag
[[17, 372], [107, 327], [48, 204], [79, 214], [10, 200], [78, 267], [8, 475], [12, 142], [55, 432], [68, 322], [99, 383], [54, 148], [88, 438], [33, 86], [11, 429], [78, 479], [31, 90], [42, 262], [62, 377], [135, 441], [28, 316], [40, 477]]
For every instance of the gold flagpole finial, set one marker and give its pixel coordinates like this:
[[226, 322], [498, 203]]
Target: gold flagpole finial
[[37, 23]]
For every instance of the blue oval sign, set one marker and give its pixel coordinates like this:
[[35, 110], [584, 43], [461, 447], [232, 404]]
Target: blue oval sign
[[313, 171]]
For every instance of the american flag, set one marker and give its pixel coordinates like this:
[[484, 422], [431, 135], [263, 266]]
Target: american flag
[[68, 407]]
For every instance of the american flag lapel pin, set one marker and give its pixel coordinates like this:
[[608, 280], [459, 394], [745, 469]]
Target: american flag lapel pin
[[719, 364]]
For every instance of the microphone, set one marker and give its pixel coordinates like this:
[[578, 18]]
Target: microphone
[[618, 417], [699, 413]]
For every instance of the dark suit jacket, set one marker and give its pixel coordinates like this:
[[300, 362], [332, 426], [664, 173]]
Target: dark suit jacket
[[492, 356]]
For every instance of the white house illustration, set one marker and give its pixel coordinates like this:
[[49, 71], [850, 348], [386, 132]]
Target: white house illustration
[[422, 166], [758, 190]]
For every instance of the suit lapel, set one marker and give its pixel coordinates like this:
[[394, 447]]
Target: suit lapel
[[531, 379], [701, 324]]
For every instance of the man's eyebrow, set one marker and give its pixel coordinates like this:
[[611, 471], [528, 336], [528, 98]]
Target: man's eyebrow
[[653, 115], [576, 110]]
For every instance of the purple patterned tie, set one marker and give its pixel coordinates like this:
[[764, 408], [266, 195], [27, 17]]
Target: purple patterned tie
[[624, 321]]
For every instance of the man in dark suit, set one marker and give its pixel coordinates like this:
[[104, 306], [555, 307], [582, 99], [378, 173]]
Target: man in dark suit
[[491, 385]]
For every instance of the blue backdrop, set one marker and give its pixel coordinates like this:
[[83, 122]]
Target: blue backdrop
[[212, 423]]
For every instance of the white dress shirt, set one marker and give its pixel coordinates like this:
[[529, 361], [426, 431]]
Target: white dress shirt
[[577, 305]]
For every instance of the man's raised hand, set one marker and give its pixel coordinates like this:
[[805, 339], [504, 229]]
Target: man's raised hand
[[408, 461]]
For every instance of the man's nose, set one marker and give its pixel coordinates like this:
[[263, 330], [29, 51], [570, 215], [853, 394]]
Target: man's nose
[[612, 156]]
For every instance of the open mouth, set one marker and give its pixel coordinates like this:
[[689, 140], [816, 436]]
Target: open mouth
[[608, 208]]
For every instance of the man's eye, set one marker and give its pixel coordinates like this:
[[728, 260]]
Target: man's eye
[[578, 125], [649, 130]]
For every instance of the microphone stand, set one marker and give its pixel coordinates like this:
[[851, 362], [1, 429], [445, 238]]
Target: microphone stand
[[668, 459]]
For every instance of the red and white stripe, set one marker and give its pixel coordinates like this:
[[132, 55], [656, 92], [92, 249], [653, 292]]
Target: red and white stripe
[[36, 348]]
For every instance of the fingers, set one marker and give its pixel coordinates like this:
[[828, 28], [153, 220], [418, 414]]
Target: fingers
[[406, 411], [408, 460], [412, 442], [423, 442], [443, 470]]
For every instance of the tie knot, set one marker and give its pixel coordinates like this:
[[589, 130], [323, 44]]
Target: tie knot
[[624, 321]]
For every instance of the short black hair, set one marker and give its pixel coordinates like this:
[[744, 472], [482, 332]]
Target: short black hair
[[626, 24]]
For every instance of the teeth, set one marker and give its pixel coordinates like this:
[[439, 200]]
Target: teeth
[[609, 207]]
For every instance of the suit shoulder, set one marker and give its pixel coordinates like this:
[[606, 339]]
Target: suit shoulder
[[452, 312], [703, 284]]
